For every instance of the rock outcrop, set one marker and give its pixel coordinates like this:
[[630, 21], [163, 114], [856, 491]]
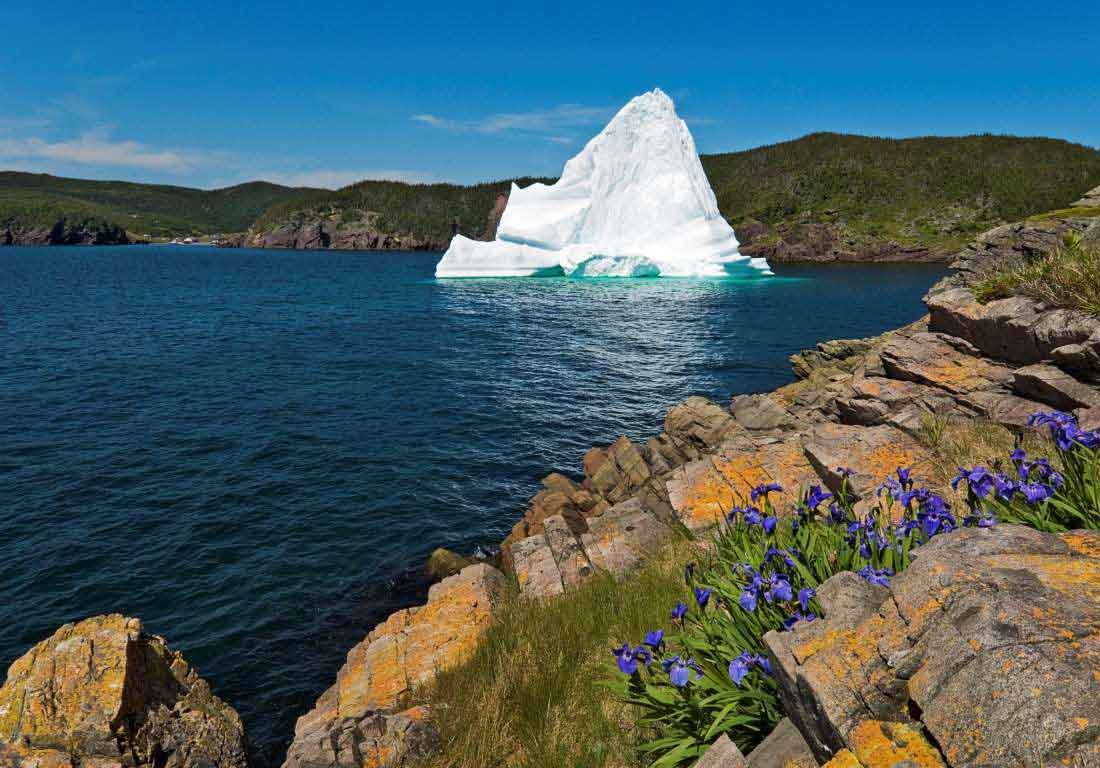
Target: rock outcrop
[[104, 694], [339, 231], [362, 721], [65, 232], [984, 652], [823, 242], [1090, 200]]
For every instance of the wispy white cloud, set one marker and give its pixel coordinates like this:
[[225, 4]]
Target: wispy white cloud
[[554, 119], [97, 149], [335, 179]]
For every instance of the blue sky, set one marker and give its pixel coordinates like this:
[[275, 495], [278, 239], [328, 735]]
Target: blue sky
[[214, 93]]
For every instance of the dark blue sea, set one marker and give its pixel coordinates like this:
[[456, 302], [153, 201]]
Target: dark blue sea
[[254, 451]]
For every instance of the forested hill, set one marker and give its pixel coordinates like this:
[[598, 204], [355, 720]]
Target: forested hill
[[36, 203], [825, 196], [861, 194]]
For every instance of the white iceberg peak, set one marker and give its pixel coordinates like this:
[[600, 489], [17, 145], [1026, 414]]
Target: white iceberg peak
[[633, 203]]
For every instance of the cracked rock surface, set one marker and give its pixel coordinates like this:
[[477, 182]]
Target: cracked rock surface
[[986, 650], [104, 694]]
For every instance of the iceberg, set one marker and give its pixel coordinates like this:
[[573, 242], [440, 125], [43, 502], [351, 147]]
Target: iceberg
[[634, 203]]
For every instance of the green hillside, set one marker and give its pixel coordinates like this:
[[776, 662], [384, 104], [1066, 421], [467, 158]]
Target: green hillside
[[936, 191], [933, 192], [39, 200], [425, 210]]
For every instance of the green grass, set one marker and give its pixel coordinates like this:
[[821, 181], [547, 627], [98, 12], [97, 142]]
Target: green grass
[[533, 695], [1068, 277], [1067, 213]]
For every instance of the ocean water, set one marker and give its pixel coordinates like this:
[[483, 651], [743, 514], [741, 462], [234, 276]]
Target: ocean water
[[254, 451]]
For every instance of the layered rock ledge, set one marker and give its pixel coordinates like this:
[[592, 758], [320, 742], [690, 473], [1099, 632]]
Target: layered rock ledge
[[984, 652], [363, 720]]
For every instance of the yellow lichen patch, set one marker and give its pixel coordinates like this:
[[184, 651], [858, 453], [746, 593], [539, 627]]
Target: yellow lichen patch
[[844, 759], [810, 648], [884, 745], [881, 461], [701, 496], [1068, 575], [1085, 543], [784, 463], [959, 374], [412, 645]]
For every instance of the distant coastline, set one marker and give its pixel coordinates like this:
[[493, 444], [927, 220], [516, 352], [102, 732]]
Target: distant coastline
[[821, 198]]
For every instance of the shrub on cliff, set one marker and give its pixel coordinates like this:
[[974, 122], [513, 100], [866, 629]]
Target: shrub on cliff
[[1068, 277], [709, 674]]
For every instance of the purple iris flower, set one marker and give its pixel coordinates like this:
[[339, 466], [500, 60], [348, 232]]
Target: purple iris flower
[[762, 663], [836, 514], [769, 524], [748, 600], [679, 611], [845, 471], [876, 576], [805, 595], [752, 516], [654, 639], [1063, 428], [1087, 439], [627, 658], [1019, 454], [979, 481], [904, 474], [763, 490], [739, 668], [891, 485], [1035, 492], [778, 589], [679, 671], [815, 497], [778, 554], [743, 664], [702, 596], [1006, 486]]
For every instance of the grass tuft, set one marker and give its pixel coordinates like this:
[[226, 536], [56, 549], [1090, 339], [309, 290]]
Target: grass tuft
[[533, 694], [1068, 277]]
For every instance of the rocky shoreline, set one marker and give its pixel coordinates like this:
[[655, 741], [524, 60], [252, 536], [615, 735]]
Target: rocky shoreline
[[928, 670]]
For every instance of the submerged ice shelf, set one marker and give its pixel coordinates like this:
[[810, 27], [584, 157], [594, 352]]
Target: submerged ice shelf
[[634, 203]]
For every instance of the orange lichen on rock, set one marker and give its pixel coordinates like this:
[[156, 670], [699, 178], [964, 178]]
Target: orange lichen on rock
[[700, 495], [412, 645], [879, 744], [1069, 575], [783, 463], [844, 759], [1085, 543]]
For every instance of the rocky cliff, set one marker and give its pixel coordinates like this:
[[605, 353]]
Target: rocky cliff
[[65, 232], [105, 694], [824, 241]]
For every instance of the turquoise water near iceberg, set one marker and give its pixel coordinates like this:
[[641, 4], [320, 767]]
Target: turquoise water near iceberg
[[254, 451]]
